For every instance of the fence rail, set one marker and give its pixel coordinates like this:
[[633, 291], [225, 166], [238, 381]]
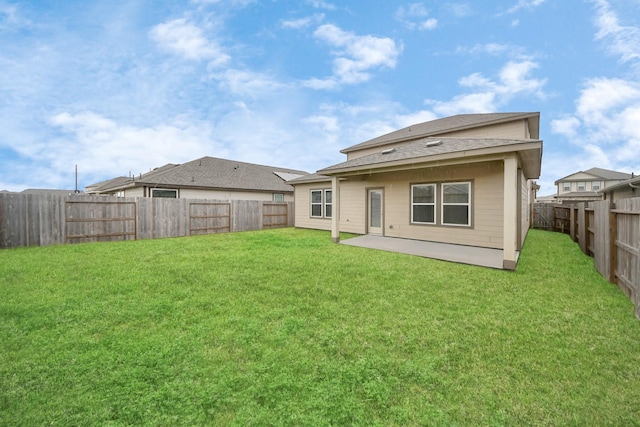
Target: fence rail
[[42, 220], [610, 233]]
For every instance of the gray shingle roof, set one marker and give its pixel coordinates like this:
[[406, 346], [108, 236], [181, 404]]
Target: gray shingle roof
[[211, 172], [605, 174], [441, 126], [419, 149], [314, 177]]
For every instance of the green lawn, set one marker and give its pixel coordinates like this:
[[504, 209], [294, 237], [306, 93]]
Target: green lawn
[[284, 327]]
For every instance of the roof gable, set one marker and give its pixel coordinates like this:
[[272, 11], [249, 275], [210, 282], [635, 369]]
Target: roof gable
[[447, 125], [604, 174]]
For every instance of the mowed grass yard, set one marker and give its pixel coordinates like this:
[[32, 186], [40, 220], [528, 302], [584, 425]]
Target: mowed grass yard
[[284, 327]]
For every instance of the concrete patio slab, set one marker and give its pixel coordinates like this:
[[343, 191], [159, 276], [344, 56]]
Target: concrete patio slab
[[472, 255]]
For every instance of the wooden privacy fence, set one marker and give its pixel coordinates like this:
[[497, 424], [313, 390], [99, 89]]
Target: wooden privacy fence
[[42, 220], [551, 216], [610, 233]]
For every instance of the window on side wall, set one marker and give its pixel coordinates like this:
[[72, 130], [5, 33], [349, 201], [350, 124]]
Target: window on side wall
[[596, 185], [278, 197], [423, 204], [456, 203], [316, 203], [581, 185], [328, 204], [161, 192], [566, 186]]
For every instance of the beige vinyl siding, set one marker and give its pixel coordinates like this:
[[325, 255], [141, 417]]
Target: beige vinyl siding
[[486, 208], [303, 217], [511, 130], [625, 193], [525, 208]]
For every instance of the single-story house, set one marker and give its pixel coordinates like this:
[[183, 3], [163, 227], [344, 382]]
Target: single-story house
[[464, 180], [206, 178], [627, 189], [587, 186]]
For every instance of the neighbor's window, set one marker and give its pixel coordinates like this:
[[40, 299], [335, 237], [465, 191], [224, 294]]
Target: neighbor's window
[[423, 203], [328, 204], [456, 203], [566, 186], [169, 194], [278, 197], [316, 203], [581, 186], [595, 185]]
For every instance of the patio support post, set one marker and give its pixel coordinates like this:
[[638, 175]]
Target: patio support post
[[335, 214], [510, 213]]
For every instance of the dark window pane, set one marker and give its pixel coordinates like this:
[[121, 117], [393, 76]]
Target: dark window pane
[[316, 197], [456, 215], [423, 213], [423, 194], [327, 195], [170, 194], [455, 193], [316, 210], [327, 209]]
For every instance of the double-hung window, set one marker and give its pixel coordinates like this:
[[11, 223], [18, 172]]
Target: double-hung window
[[321, 203], [456, 203], [316, 203], [595, 185], [328, 204], [566, 186], [423, 204], [582, 186]]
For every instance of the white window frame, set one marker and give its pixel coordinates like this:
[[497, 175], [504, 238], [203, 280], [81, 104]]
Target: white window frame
[[443, 204], [566, 186], [584, 186], [433, 204], [278, 197], [312, 203], [326, 203], [153, 190], [596, 185]]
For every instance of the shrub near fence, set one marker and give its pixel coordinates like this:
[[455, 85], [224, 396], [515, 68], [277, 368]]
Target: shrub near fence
[[610, 233], [42, 220]]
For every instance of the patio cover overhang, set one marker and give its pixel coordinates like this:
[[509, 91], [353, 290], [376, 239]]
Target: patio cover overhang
[[438, 152]]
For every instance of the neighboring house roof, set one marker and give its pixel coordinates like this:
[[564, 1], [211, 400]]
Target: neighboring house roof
[[448, 125], [427, 150], [212, 173], [314, 177], [105, 185], [577, 194], [605, 174], [633, 182], [44, 192]]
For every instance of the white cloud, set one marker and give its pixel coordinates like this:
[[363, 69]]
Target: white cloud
[[104, 147], [620, 40], [514, 79], [186, 39], [355, 56], [319, 4], [413, 17], [247, 83], [524, 4], [606, 122], [460, 10], [300, 23]]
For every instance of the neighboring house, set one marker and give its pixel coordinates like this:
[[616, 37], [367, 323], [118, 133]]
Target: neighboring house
[[627, 189], [463, 179], [587, 186], [205, 178], [47, 192], [546, 199]]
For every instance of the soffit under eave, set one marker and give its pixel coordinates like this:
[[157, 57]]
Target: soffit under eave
[[530, 159]]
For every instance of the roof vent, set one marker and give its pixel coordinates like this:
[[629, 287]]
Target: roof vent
[[389, 151], [433, 143]]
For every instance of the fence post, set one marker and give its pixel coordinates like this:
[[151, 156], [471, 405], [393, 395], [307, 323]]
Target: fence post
[[613, 249]]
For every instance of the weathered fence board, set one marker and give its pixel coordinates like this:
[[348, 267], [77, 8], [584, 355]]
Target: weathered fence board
[[41, 220]]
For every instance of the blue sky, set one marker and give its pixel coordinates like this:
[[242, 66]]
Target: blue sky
[[123, 86]]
